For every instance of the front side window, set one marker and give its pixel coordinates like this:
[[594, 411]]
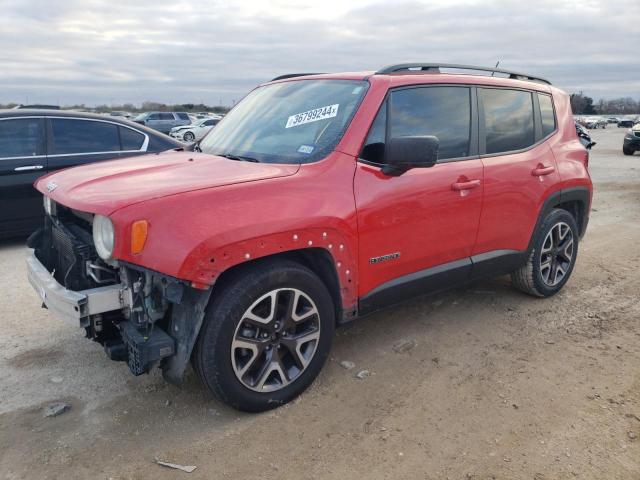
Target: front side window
[[72, 136], [546, 114], [22, 137], [153, 116], [508, 119], [443, 112], [298, 121]]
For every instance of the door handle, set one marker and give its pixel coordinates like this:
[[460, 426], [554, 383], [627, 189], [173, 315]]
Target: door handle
[[541, 170], [28, 168], [468, 185]]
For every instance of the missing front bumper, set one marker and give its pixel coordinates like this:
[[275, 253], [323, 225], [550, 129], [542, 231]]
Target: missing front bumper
[[74, 307]]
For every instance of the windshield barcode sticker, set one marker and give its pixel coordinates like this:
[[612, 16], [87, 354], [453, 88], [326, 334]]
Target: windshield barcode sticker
[[312, 115]]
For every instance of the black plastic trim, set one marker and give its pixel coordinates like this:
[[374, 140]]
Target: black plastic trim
[[408, 286]]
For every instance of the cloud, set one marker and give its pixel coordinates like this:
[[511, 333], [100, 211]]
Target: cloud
[[97, 51]]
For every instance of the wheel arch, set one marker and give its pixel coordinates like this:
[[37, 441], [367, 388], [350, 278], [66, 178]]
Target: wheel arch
[[318, 260], [575, 200]]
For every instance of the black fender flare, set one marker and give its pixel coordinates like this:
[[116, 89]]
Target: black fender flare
[[580, 194]]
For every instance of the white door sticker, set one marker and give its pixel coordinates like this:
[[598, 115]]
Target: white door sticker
[[312, 115]]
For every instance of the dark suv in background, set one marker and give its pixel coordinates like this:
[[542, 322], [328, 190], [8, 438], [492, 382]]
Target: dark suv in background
[[35, 142], [163, 121]]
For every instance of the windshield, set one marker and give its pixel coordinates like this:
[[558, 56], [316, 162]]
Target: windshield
[[290, 122]]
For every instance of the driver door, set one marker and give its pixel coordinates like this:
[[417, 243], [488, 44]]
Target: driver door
[[418, 230]]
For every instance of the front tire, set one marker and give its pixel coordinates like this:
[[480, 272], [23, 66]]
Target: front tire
[[554, 253], [627, 151], [265, 336], [189, 137]]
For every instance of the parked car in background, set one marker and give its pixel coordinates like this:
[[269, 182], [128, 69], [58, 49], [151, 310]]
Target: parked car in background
[[595, 122], [631, 142], [119, 113], [317, 200], [584, 137], [195, 131], [163, 121], [612, 120], [37, 106], [625, 123], [35, 142]]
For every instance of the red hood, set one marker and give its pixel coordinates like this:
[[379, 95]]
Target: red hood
[[108, 186]]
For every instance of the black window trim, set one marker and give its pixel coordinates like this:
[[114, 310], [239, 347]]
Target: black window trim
[[537, 122], [44, 139], [553, 109], [474, 144], [49, 143]]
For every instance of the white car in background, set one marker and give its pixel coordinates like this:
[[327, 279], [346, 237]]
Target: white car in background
[[195, 131]]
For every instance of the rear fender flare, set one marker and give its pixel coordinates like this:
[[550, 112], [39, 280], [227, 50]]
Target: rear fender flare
[[580, 194]]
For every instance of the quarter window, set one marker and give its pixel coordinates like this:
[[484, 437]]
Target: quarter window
[[546, 114], [83, 136], [183, 116], [131, 140], [373, 150], [21, 138], [508, 119]]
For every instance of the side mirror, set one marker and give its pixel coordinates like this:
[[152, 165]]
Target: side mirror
[[405, 153]]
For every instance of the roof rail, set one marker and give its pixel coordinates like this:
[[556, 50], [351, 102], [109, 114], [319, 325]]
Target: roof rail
[[435, 68], [293, 75]]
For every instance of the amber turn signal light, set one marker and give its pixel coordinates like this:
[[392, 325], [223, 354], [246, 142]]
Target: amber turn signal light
[[138, 235]]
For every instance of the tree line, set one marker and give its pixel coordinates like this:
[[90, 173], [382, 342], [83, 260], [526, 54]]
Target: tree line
[[584, 105]]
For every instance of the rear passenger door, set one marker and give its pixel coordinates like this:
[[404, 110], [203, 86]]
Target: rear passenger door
[[78, 141], [419, 227], [22, 161], [519, 166]]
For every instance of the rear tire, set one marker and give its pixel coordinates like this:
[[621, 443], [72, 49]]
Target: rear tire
[[265, 336], [627, 151], [554, 253]]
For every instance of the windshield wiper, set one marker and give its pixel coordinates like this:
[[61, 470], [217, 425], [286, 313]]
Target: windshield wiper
[[230, 156]]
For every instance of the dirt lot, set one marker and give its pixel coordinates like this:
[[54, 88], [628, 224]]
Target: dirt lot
[[498, 385]]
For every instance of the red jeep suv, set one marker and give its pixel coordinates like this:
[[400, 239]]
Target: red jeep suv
[[316, 200]]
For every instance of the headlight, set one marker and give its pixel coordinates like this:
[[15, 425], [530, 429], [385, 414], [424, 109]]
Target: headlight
[[49, 205], [103, 236]]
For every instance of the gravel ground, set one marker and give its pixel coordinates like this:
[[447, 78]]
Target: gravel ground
[[484, 382]]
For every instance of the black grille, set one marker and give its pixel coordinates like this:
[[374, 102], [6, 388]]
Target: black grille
[[73, 252], [65, 248]]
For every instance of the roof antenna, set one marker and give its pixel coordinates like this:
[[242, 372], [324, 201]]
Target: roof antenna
[[497, 63]]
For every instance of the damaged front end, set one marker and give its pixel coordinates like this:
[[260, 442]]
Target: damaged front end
[[139, 316]]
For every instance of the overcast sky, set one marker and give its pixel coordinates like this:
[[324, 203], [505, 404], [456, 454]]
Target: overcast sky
[[114, 51]]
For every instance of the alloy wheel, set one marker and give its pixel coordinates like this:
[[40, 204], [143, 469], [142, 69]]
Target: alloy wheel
[[556, 254], [275, 340]]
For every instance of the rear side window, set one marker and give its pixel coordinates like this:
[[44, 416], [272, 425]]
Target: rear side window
[[131, 140], [183, 116], [444, 112], [508, 119], [546, 114], [167, 116], [83, 136], [22, 137]]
